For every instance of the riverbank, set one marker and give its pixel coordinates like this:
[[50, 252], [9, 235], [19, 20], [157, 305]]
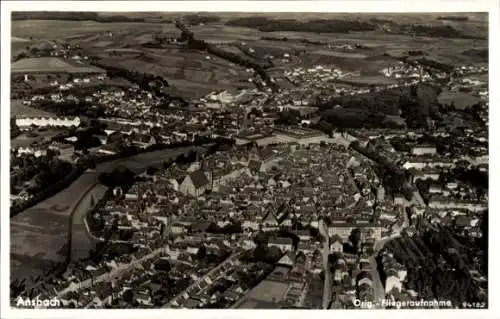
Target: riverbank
[[39, 235]]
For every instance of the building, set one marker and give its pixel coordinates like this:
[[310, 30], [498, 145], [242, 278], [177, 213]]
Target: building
[[428, 174], [392, 282], [288, 260], [336, 245], [441, 202], [270, 222], [301, 136], [195, 184], [285, 244], [26, 122], [232, 175], [344, 230], [31, 150], [254, 166]]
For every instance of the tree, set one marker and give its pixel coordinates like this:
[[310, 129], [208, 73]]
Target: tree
[[167, 164], [261, 239], [128, 296], [273, 254], [163, 264], [20, 56], [151, 170], [255, 111], [202, 252], [14, 129], [355, 238]]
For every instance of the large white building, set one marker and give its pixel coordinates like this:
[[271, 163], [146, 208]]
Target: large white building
[[424, 150], [26, 122], [446, 203], [343, 230], [30, 150]]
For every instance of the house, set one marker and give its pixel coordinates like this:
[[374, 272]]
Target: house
[[177, 229], [339, 274], [254, 166], [248, 244], [364, 277], [287, 260], [195, 184], [24, 195], [250, 224], [176, 183], [343, 230], [336, 245], [283, 243], [424, 150], [392, 282], [142, 297], [192, 250], [463, 221], [305, 247], [270, 221], [428, 174], [304, 235], [26, 122], [438, 202], [364, 265]]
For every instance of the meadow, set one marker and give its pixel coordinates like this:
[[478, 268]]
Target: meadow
[[17, 108], [192, 74], [461, 100], [51, 65]]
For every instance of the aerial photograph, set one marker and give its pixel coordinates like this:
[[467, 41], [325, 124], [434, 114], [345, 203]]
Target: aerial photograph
[[248, 160]]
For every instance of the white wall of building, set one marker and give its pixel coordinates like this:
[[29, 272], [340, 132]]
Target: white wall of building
[[25, 122]]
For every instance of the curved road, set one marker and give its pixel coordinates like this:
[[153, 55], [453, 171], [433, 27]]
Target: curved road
[[38, 235], [79, 241]]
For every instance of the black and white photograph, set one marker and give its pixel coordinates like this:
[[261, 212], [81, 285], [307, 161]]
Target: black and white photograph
[[205, 159]]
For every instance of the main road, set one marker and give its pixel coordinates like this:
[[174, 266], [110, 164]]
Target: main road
[[325, 251], [378, 287]]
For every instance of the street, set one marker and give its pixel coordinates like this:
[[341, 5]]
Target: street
[[377, 285], [325, 251]]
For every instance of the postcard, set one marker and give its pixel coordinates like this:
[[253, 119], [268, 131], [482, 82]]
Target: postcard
[[245, 156]]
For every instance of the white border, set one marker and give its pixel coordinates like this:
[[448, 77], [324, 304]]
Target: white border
[[247, 6]]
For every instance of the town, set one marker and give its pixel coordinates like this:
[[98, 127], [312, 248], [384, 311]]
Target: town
[[271, 196]]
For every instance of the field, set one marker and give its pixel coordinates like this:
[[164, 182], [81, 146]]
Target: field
[[479, 77], [18, 109], [192, 74], [53, 29], [51, 65], [25, 139], [268, 291], [341, 54], [368, 80], [461, 100], [18, 39]]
